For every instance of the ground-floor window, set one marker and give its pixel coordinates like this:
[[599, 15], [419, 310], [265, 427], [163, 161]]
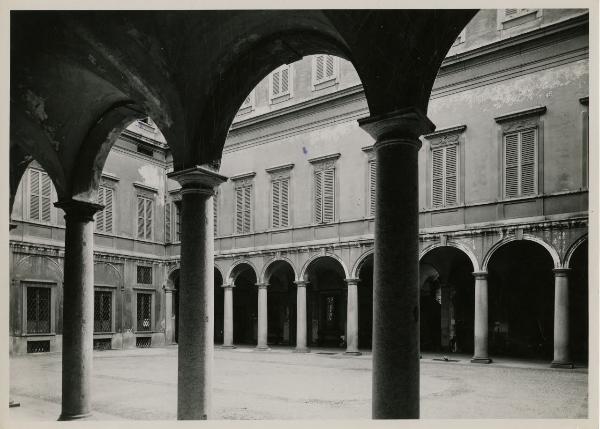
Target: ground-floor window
[[144, 312], [38, 310], [102, 311]]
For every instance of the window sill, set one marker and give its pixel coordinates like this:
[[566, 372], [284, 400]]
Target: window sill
[[145, 332], [50, 334], [317, 86], [280, 98], [102, 335]]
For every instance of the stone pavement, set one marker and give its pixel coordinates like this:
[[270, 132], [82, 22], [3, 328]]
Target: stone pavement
[[277, 384]]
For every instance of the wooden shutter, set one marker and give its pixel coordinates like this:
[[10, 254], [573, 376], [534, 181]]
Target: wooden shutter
[[328, 195], [329, 66], [437, 183], [451, 166], [149, 216], [528, 138], [215, 213], [318, 184], [177, 211], [275, 83], [285, 202], [511, 165], [239, 210], [34, 194], [285, 80], [319, 68], [372, 179], [247, 208], [276, 203], [46, 196], [100, 214], [140, 217], [168, 222], [108, 209], [510, 12]]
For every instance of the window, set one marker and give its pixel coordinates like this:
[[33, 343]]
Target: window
[[172, 222], [104, 218], [444, 178], [280, 202], [243, 202], [324, 188], [177, 210], [248, 104], [215, 213], [102, 311], [38, 310], [281, 83], [324, 69], [144, 312], [520, 163], [144, 275], [40, 195], [372, 178], [145, 150], [515, 13], [145, 208]]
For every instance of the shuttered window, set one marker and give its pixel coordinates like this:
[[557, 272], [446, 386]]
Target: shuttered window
[[104, 218], [281, 81], [248, 101], [372, 178], [520, 167], [40, 195], [168, 224], [280, 202], [324, 68], [243, 209], [444, 181], [145, 214], [324, 186], [177, 213], [215, 213]]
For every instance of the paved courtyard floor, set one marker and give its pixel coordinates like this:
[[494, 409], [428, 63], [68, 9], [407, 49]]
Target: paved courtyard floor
[[278, 384]]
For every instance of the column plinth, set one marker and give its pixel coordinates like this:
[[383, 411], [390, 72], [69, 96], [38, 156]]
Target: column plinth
[[196, 311], [480, 354], [301, 344], [562, 356], [262, 317], [396, 262], [352, 318], [228, 316], [78, 305]]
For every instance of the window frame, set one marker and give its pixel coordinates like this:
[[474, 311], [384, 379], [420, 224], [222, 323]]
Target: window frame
[[279, 174], [249, 107], [152, 327], [103, 211], [35, 283], [137, 268], [326, 81], [150, 194], [240, 182], [323, 164], [51, 210], [282, 96], [111, 291]]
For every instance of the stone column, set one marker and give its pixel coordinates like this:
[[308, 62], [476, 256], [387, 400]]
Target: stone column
[[562, 358], [262, 317], [228, 316], [196, 311], [352, 318], [78, 305], [396, 262], [481, 318], [301, 317]]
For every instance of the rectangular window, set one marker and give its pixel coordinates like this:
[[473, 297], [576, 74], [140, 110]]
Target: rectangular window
[[102, 311], [324, 185], [145, 207], [280, 202], [177, 210], [38, 310], [104, 218], [40, 195], [144, 312], [324, 68], [144, 275], [215, 213], [168, 225], [444, 183], [243, 209], [372, 177], [281, 82], [520, 153]]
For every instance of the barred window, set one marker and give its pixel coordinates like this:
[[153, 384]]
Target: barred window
[[144, 275], [144, 312], [243, 208], [324, 195], [40, 195], [38, 310], [102, 311], [280, 202], [444, 180], [145, 209], [104, 218], [520, 166]]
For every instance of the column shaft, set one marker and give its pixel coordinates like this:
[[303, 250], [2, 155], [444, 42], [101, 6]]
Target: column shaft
[[481, 319], [301, 343], [562, 358], [228, 316], [352, 318], [262, 317]]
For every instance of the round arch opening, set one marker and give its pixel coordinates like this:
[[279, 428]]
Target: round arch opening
[[281, 309], [579, 304], [245, 304], [365, 303]]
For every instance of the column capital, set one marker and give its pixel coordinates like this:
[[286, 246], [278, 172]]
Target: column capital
[[404, 124], [561, 272], [301, 283], [197, 180], [79, 209], [228, 285], [352, 281], [262, 285], [480, 274]]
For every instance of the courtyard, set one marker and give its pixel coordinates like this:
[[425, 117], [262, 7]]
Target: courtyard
[[141, 384]]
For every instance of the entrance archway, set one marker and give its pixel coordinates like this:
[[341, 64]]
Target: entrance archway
[[245, 304], [578, 304], [281, 309], [218, 307]]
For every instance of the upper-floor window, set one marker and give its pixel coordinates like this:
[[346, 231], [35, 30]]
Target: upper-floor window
[[248, 104], [372, 181], [324, 189], [144, 275], [243, 204], [280, 202], [444, 177], [145, 214], [104, 218], [324, 70], [40, 195], [215, 213], [520, 166], [511, 18], [280, 83], [173, 221]]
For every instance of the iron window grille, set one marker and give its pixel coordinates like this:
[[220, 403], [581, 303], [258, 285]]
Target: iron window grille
[[102, 311], [144, 275], [38, 310], [144, 312]]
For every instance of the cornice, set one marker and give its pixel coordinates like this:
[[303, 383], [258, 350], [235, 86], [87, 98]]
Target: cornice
[[456, 129], [145, 187], [520, 114], [279, 168], [242, 176], [324, 158]]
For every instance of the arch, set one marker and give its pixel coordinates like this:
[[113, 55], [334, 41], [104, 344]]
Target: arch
[[232, 274], [553, 253], [360, 261], [263, 274], [303, 272], [458, 246], [58, 266], [572, 249], [172, 270], [218, 270], [114, 268]]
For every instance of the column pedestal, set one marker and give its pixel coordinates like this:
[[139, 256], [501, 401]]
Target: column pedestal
[[78, 305], [396, 263], [228, 316], [481, 319], [562, 356], [301, 317], [352, 318], [196, 311], [262, 317]]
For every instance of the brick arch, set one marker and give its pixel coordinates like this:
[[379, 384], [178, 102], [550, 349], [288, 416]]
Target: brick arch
[[468, 252], [526, 237]]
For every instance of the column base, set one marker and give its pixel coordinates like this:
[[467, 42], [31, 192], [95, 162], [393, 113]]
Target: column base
[[566, 365], [480, 360], [352, 353], [227, 347], [301, 350], [66, 417], [262, 348]]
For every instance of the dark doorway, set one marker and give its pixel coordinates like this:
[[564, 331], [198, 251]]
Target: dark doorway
[[578, 304], [218, 307], [245, 305], [281, 307], [365, 304]]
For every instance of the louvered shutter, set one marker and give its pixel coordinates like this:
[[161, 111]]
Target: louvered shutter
[[149, 216], [329, 66], [276, 203], [328, 195], [34, 194], [46, 196], [319, 68], [168, 222], [285, 81], [510, 12], [285, 202], [511, 165], [215, 213], [437, 183], [247, 208], [276, 83], [318, 179], [100, 214], [239, 210], [108, 209], [141, 208], [372, 178], [450, 175], [528, 162]]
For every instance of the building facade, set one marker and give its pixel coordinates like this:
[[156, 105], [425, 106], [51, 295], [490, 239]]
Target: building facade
[[503, 211]]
